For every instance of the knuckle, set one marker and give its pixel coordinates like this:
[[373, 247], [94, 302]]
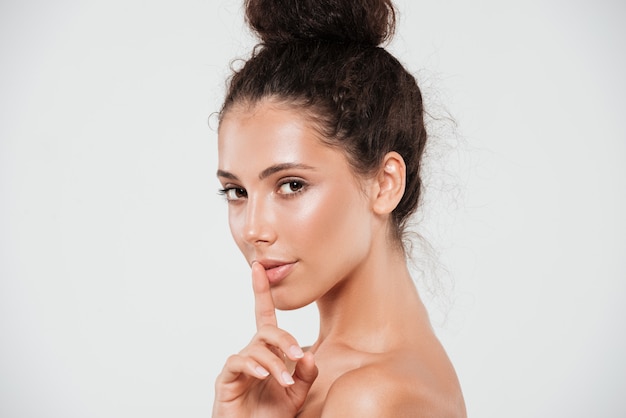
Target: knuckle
[[254, 349], [267, 315], [267, 329], [287, 341], [232, 360], [267, 357]]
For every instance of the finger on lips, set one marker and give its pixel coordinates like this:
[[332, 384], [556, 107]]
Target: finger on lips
[[265, 311], [269, 360]]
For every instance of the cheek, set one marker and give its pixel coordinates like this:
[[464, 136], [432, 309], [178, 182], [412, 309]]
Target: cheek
[[327, 221]]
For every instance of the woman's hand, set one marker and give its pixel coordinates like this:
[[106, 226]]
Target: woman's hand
[[256, 382]]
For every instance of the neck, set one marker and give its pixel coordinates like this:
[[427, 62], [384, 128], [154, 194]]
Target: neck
[[375, 308]]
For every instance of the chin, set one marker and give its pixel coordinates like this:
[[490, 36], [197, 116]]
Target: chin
[[284, 301], [288, 305]]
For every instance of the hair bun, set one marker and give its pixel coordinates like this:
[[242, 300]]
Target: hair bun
[[369, 22]]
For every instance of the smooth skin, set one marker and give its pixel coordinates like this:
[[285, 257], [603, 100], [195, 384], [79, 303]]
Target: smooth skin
[[295, 201]]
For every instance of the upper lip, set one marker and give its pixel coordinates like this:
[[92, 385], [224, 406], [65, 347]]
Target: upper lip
[[270, 264]]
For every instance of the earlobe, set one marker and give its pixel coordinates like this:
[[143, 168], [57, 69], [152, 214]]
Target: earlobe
[[390, 182]]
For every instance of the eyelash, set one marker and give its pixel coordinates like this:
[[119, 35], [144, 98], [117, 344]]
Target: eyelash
[[226, 190], [301, 184]]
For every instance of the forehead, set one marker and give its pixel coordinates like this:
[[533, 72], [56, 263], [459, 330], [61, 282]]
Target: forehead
[[269, 133]]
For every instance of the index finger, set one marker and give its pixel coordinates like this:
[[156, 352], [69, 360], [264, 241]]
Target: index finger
[[264, 309]]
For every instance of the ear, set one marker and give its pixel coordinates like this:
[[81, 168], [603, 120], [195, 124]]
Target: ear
[[390, 183]]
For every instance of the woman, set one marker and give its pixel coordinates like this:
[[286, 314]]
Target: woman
[[320, 142]]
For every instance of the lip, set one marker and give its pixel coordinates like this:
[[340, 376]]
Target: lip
[[275, 270]]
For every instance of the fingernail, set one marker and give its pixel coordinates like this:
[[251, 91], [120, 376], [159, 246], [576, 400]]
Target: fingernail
[[261, 371], [287, 378], [296, 351]]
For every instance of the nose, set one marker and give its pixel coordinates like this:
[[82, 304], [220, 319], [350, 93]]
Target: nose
[[259, 223]]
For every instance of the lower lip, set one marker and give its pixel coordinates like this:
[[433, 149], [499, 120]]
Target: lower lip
[[277, 274]]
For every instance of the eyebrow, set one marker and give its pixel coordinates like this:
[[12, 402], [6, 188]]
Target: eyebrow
[[268, 171]]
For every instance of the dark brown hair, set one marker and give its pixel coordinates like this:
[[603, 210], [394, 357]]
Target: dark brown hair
[[324, 56]]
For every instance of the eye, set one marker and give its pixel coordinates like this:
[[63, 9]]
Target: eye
[[233, 193], [291, 187]]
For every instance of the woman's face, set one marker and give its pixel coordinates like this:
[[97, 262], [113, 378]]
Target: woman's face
[[294, 203]]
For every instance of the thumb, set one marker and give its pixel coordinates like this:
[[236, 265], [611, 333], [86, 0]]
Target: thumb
[[304, 375]]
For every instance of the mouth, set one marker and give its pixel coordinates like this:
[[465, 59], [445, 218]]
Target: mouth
[[276, 271]]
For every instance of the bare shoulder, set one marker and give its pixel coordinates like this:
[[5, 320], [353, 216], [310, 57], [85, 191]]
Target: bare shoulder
[[396, 387]]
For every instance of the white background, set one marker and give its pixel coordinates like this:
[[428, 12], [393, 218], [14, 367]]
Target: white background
[[121, 293]]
